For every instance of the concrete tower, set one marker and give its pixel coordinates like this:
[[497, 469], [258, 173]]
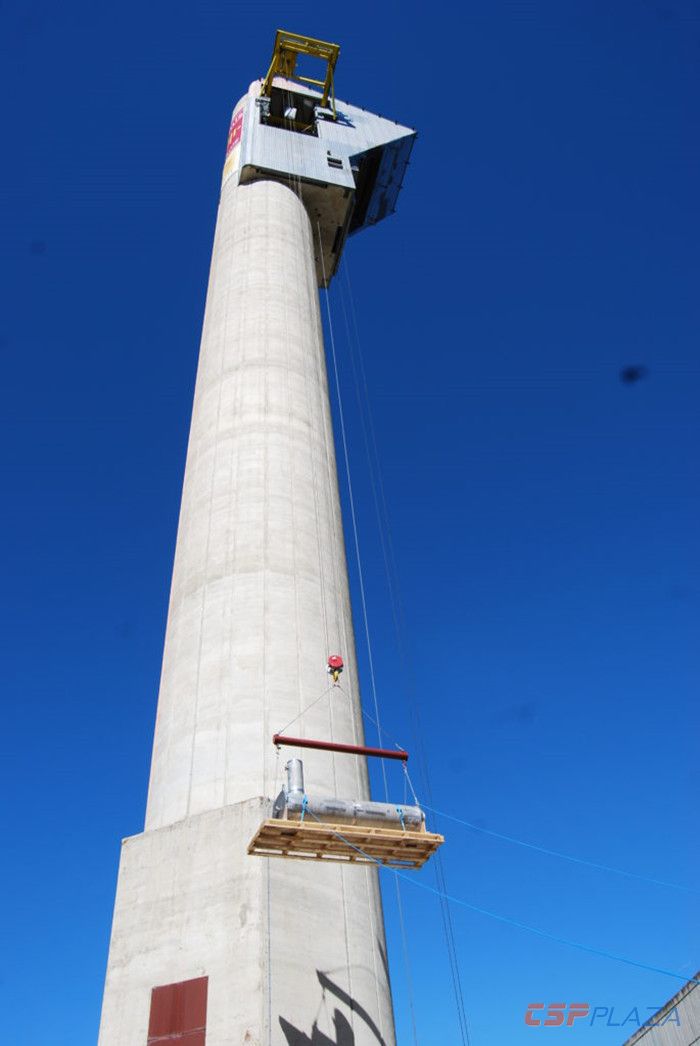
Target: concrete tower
[[208, 943]]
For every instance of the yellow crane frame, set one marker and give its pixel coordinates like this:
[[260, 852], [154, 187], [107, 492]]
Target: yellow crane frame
[[288, 47]]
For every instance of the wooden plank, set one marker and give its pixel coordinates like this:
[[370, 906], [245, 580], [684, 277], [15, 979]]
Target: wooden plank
[[303, 840]]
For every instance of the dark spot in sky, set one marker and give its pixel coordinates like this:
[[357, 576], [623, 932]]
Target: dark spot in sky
[[30, 26], [665, 14], [681, 593], [38, 247], [124, 629], [633, 373], [524, 713]]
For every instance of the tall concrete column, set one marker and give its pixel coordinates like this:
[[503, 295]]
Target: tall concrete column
[[259, 600], [260, 590]]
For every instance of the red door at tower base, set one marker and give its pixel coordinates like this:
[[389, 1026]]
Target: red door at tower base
[[179, 1014]]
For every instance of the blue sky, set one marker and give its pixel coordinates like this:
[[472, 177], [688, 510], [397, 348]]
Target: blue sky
[[543, 514]]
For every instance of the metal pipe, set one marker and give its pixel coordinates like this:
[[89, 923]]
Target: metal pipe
[[295, 778], [355, 812], [332, 746], [296, 803]]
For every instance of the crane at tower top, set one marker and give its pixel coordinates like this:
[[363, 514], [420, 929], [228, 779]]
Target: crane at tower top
[[345, 163], [289, 47]]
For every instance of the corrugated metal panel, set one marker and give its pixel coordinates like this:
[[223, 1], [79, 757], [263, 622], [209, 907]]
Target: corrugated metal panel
[[179, 1013], [307, 156], [675, 1024], [348, 173], [293, 155], [389, 179], [380, 177]]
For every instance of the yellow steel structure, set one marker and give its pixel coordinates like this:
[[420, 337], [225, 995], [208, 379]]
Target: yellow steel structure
[[288, 47]]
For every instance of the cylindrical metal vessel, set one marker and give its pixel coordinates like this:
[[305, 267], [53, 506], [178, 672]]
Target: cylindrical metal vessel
[[335, 811], [294, 801], [295, 779], [259, 600]]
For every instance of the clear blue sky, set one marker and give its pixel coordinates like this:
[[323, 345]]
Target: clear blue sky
[[544, 514]]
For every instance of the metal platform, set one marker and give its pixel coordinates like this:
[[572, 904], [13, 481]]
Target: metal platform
[[348, 843]]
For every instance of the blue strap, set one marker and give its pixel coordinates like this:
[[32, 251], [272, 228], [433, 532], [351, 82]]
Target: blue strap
[[304, 804], [400, 813]]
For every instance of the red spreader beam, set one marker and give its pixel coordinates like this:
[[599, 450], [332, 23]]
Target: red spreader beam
[[331, 746]]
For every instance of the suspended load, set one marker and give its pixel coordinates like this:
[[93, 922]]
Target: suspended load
[[346, 830]]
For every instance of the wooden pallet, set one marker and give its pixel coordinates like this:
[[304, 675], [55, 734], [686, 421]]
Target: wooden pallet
[[350, 843]]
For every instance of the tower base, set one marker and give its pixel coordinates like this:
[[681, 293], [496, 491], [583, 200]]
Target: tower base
[[190, 904], [210, 945]]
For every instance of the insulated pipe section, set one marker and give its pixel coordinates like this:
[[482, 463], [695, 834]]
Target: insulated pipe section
[[357, 812], [341, 809]]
